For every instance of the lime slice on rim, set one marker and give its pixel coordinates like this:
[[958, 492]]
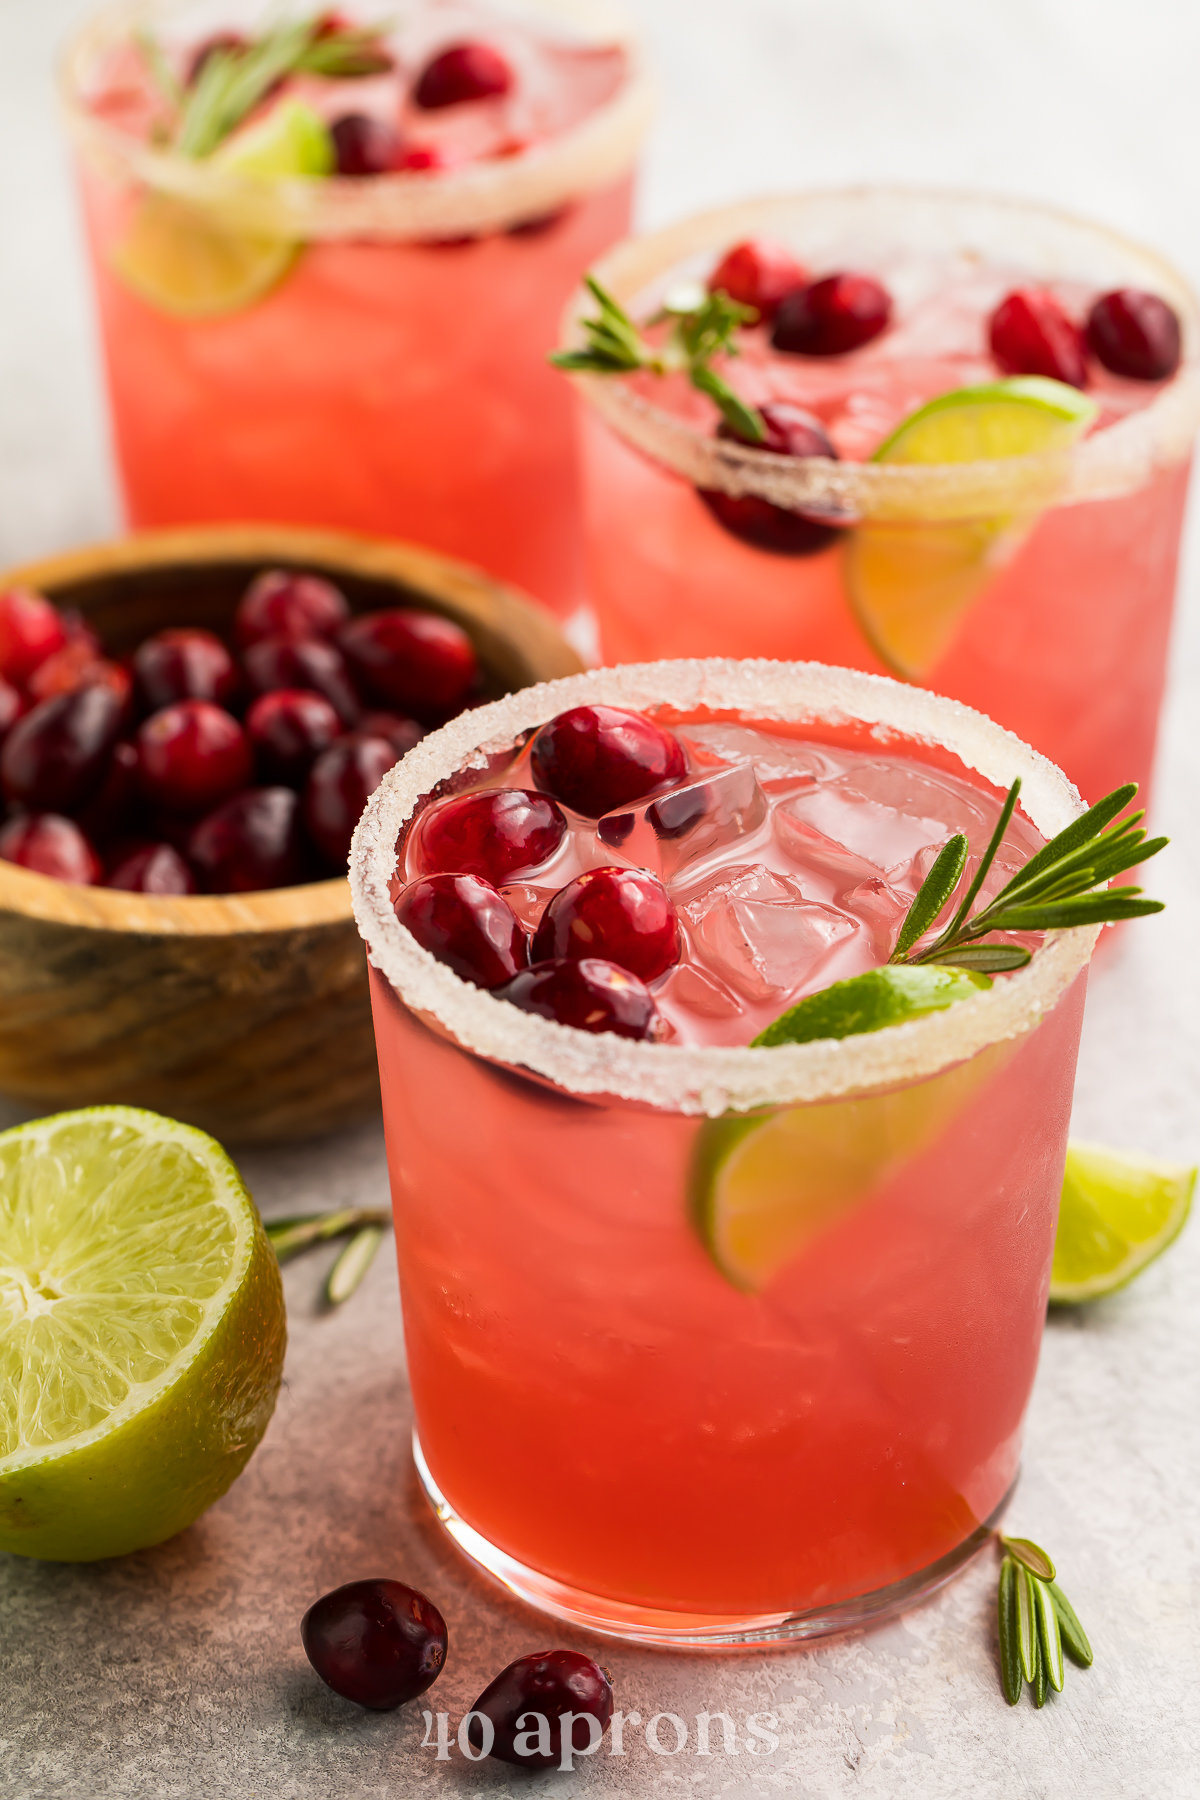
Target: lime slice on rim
[[912, 581], [1119, 1211], [142, 1331]]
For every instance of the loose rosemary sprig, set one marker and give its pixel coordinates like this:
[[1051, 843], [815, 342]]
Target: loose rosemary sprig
[[1037, 1623], [363, 1225], [1062, 885], [702, 324]]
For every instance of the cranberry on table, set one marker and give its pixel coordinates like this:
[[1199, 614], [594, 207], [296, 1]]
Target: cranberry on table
[[48, 844], [251, 842], [467, 71], [492, 833], [364, 146], [282, 603], [291, 662], [30, 629], [1135, 334], [550, 1683], [592, 995], [400, 733], [340, 783], [191, 756], [467, 925], [832, 316], [593, 758], [54, 759], [288, 729], [411, 659], [758, 273], [378, 1643], [790, 432], [622, 915], [151, 869], [1032, 333], [183, 664]]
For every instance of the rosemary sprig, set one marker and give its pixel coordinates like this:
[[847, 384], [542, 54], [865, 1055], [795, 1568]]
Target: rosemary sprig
[[702, 324], [1037, 1623], [1064, 884], [364, 1225]]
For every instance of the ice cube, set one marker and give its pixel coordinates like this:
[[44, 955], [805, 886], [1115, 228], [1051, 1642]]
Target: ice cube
[[813, 852], [756, 931], [698, 990], [779, 762], [889, 813], [881, 910], [676, 830]]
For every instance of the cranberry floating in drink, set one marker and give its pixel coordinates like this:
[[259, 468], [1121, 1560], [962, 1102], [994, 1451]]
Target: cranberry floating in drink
[[1032, 333], [831, 316], [622, 915], [492, 834], [595, 758], [467, 925], [1135, 334], [758, 273], [787, 431]]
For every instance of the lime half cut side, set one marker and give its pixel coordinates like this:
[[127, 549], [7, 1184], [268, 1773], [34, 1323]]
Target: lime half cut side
[[1119, 1212], [912, 581], [142, 1331]]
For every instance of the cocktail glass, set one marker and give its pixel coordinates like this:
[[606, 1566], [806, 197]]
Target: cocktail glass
[[619, 1426], [393, 378], [1046, 581]]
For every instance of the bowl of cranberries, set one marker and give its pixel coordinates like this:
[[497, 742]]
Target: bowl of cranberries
[[191, 723]]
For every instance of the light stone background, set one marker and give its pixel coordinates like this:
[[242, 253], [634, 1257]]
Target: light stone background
[[180, 1672]]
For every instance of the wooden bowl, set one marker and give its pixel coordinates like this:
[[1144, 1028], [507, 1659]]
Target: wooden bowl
[[245, 1014]]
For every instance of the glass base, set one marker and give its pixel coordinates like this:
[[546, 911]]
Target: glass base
[[697, 1631]]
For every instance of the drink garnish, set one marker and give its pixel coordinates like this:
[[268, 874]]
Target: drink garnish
[[1037, 1623], [364, 1225], [1119, 1211]]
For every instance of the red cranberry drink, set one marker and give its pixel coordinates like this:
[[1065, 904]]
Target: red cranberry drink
[[725, 1178], [331, 255], [954, 445]]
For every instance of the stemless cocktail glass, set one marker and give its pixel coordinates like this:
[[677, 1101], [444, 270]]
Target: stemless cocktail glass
[[1046, 581], [393, 378], [616, 1428]]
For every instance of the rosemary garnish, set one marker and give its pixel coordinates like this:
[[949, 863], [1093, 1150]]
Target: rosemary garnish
[[701, 325], [1037, 1623], [364, 1225], [1061, 886]]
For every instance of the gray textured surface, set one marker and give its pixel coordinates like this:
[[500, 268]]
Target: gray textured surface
[[180, 1672]]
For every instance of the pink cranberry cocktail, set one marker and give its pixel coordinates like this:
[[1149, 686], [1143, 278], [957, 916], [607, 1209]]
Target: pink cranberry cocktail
[[710, 1341], [1034, 582], [338, 311]]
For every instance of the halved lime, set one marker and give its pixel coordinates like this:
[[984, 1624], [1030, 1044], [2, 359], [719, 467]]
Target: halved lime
[[911, 581], [1119, 1211], [142, 1331]]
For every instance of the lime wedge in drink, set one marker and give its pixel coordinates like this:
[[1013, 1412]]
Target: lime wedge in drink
[[911, 581], [142, 1331], [185, 259], [1119, 1211]]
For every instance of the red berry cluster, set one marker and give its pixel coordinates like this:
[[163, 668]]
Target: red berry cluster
[[194, 766], [603, 937], [366, 145], [1130, 332]]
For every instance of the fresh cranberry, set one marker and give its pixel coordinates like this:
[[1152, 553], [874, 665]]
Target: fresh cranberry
[[183, 664], [831, 316], [411, 659], [288, 729], [790, 432], [1032, 333], [428, 156], [154, 869], [54, 759], [467, 925], [492, 833], [1135, 334], [340, 783], [251, 842], [594, 758], [400, 733], [11, 706], [592, 995], [621, 915], [364, 146], [548, 1685], [375, 1642], [50, 845], [759, 274], [287, 662], [76, 665], [469, 71], [30, 630], [207, 47], [282, 603], [191, 756], [112, 808]]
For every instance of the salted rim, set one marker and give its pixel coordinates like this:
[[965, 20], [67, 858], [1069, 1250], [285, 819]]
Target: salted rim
[[706, 1079], [482, 197], [1122, 457]]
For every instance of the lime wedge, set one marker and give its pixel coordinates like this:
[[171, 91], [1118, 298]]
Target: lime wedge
[[1119, 1211], [142, 1331], [291, 139], [869, 1001], [912, 581]]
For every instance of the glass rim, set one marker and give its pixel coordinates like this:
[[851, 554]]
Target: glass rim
[[1117, 460], [705, 1079], [415, 205]]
